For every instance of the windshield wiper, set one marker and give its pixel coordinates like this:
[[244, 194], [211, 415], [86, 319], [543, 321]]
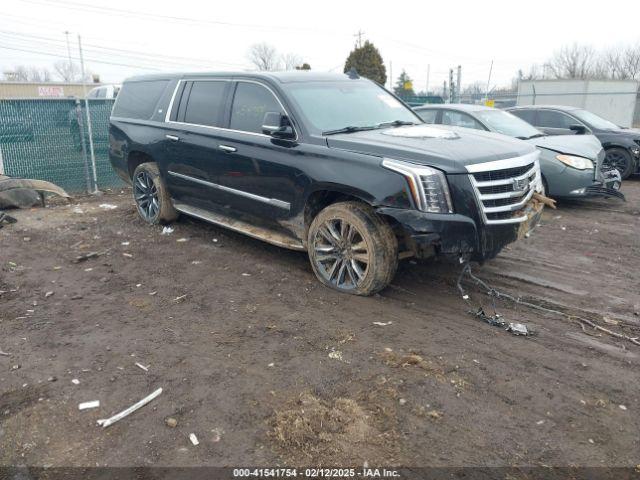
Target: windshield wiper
[[395, 123], [347, 129], [535, 135]]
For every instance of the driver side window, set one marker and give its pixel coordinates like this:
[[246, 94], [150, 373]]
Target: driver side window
[[459, 119], [553, 119], [250, 102]]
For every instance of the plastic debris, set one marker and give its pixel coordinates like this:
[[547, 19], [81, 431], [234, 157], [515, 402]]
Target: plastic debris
[[180, 298], [167, 230], [139, 365], [622, 407], [518, 329], [110, 421], [128, 255], [194, 439], [383, 324], [108, 206], [4, 354], [182, 240], [88, 405], [48, 294], [75, 381], [171, 422], [86, 256]]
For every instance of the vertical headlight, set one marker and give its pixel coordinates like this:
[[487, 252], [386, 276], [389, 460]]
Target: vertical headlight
[[428, 186]]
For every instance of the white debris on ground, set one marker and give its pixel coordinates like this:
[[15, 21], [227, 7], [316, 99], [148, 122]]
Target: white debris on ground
[[167, 230], [88, 405], [108, 206], [194, 439]]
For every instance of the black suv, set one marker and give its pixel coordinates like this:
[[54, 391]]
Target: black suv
[[621, 145], [327, 163]]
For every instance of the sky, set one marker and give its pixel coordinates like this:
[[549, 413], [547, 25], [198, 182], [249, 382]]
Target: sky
[[124, 38]]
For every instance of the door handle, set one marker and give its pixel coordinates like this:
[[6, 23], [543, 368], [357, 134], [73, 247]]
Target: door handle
[[173, 138], [227, 148]]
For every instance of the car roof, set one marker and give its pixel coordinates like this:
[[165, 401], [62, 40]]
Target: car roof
[[465, 107], [564, 108], [282, 77]]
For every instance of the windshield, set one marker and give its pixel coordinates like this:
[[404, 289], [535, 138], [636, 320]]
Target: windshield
[[594, 120], [507, 124], [352, 103]]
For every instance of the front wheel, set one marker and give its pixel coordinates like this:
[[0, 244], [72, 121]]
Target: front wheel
[[620, 159], [352, 249], [151, 195]]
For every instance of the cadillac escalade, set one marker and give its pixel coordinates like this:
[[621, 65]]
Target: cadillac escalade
[[331, 164]]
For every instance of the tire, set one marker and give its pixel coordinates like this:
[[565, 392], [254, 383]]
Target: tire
[[352, 249], [621, 159], [151, 196]]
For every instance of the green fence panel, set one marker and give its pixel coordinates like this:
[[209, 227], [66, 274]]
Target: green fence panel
[[42, 139]]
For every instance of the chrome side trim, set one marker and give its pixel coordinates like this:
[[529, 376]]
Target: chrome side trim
[[270, 201], [175, 91]]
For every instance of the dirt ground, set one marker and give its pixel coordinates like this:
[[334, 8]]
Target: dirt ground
[[267, 367]]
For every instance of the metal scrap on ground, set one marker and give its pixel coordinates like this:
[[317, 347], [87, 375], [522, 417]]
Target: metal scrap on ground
[[110, 421]]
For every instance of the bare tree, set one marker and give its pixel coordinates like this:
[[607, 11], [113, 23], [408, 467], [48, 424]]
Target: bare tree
[[68, 72], [573, 61], [290, 61], [630, 62], [264, 57]]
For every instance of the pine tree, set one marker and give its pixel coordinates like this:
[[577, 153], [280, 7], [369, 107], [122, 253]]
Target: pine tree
[[368, 63], [404, 86]]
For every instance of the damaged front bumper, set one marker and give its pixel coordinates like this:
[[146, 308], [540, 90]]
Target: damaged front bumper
[[606, 185], [459, 236]]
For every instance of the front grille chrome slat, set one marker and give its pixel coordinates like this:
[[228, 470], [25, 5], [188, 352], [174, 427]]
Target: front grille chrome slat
[[503, 188]]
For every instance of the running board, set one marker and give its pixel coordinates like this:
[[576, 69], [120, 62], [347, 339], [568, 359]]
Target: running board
[[261, 233]]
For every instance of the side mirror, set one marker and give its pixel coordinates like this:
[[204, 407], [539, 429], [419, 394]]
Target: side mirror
[[277, 125], [579, 129]]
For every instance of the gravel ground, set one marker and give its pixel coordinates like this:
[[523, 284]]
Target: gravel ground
[[267, 367]]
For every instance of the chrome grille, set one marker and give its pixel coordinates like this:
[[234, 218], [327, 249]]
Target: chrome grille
[[504, 187]]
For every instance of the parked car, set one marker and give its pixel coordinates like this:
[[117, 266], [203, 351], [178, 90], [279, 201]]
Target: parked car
[[622, 145], [572, 166], [104, 92], [325, 163]]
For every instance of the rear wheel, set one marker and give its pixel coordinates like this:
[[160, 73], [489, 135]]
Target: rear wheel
[[151, 195], [352, 249], [620, 159]]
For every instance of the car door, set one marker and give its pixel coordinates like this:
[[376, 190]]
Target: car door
[[258, 173], [193, 141], [554, 122]]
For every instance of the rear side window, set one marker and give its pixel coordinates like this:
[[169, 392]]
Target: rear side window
[[429, 116], [139, 99], [250, 103], [553, 119], [526, 115], [206, 103], [459, 119]]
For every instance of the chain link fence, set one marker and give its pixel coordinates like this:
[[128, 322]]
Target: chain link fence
[[48, 139]]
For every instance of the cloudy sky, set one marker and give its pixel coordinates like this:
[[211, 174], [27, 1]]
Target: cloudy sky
[[123, 38]]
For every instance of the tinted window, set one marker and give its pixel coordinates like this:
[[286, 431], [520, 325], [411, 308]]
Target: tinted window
[[429, 116], [526, 115], [139, 99], [552, 119], [205, 104], [507, 124], [459, 119], [250, 103]]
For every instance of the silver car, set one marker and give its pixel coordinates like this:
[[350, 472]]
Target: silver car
[[571, 165]]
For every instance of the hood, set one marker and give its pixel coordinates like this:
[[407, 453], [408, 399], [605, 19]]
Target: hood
[[587, 146], [447, 148]]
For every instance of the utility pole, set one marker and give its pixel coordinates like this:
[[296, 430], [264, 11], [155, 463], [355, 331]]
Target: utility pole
[[390, 76], [451, 86], [486, 94], [359, 35], [86, 107], [428, 72], [458, 84], [444, 89], [66, 34]]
